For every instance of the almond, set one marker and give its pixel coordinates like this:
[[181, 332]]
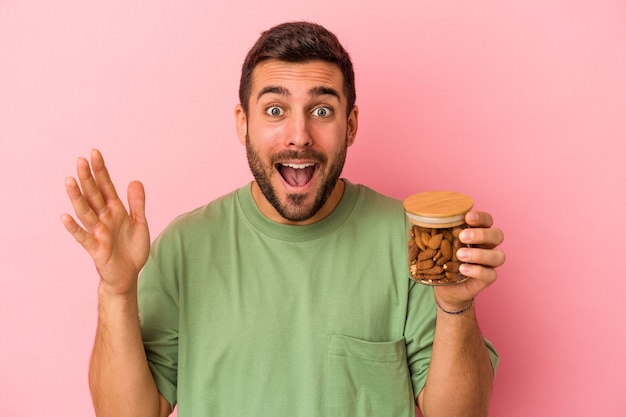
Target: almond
[[435, 241], [427, 254], [456, 245], [453, 276], [446, 249], [425, 265], [432, 271], [452, 266], [413, 249]]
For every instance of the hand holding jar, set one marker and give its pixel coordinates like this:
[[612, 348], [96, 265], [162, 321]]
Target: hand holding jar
[[450, 244]]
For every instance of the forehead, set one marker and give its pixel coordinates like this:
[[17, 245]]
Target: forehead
[[296, 77]]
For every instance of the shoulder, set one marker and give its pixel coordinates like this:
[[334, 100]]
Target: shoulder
[[202, 220], [377, 213], [372, 200]]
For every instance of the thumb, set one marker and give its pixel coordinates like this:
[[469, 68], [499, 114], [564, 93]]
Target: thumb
[[137, 202]]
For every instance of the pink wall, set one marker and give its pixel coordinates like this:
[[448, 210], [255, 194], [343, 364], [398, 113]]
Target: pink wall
[[520, 104]]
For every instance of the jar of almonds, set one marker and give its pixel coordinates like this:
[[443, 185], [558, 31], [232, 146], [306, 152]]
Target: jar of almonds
[[436, 218]]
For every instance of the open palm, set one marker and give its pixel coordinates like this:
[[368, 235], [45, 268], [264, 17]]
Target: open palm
[[118, 240]]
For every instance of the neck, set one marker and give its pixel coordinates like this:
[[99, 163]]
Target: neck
[[270, 212]]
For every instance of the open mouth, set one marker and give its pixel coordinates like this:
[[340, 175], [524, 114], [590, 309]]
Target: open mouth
[[296, 175]]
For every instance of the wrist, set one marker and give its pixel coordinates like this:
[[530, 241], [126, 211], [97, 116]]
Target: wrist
[[117, 306], [109, 293], [454, 310]]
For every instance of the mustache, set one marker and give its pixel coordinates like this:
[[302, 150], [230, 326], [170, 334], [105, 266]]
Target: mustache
[[308, 154]]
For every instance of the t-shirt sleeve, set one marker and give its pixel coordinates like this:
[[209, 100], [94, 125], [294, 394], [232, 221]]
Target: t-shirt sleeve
[[158, 314], [420, 332]]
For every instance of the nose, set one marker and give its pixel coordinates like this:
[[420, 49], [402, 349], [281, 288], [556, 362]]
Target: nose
[[300, 135]]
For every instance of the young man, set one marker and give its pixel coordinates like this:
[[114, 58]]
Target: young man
[[290, 295]]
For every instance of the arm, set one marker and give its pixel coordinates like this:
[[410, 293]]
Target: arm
[[119, 377], [460, 376], [119, 242]]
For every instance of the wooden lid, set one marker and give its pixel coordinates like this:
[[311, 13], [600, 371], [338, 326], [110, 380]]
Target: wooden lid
[[437, 208]]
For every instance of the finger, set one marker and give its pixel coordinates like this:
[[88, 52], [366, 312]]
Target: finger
[[81, 236], [82, 207], [486, 276], [137, 202], [89, 187], [101, 175], [488, 257], [478, 219], [487, 238]]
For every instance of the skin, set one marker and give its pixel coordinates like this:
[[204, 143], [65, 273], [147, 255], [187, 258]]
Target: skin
[[460, 362], [297, 115], [118, 242]]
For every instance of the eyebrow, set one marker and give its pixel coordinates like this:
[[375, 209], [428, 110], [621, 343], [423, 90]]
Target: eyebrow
[[315, 91], [272, 89], [322, 91]]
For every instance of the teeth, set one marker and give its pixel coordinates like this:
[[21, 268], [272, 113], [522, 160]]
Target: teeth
[[298, 166]]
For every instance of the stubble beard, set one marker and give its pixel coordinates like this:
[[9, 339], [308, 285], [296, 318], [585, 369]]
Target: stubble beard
[[295, 208]]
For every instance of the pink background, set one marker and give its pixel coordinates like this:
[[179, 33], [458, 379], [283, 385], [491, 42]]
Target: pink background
[[520, 104]]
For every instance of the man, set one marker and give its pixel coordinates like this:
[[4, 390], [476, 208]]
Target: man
[[289, 296]]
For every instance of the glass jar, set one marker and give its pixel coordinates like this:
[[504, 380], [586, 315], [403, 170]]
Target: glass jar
[[436, 218]]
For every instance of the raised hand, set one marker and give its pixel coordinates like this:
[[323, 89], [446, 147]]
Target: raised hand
[[116, 239]]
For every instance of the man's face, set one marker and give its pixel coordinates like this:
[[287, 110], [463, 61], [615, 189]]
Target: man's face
[[296, 134]]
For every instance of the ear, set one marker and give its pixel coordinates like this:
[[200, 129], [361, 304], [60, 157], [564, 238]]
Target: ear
[[241, 123], [353, 125]]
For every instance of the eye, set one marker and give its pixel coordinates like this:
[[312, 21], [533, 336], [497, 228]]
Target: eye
[[274, 111], [323, 112]]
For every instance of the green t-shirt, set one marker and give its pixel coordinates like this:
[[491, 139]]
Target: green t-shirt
[[242, 316]]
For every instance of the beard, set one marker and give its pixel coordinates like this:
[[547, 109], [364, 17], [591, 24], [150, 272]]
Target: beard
[[296, 207]]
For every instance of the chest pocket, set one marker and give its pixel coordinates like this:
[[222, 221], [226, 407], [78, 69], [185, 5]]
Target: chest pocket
[[368, 379]]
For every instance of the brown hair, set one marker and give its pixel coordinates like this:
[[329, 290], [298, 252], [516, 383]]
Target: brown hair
[[298, 42]]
